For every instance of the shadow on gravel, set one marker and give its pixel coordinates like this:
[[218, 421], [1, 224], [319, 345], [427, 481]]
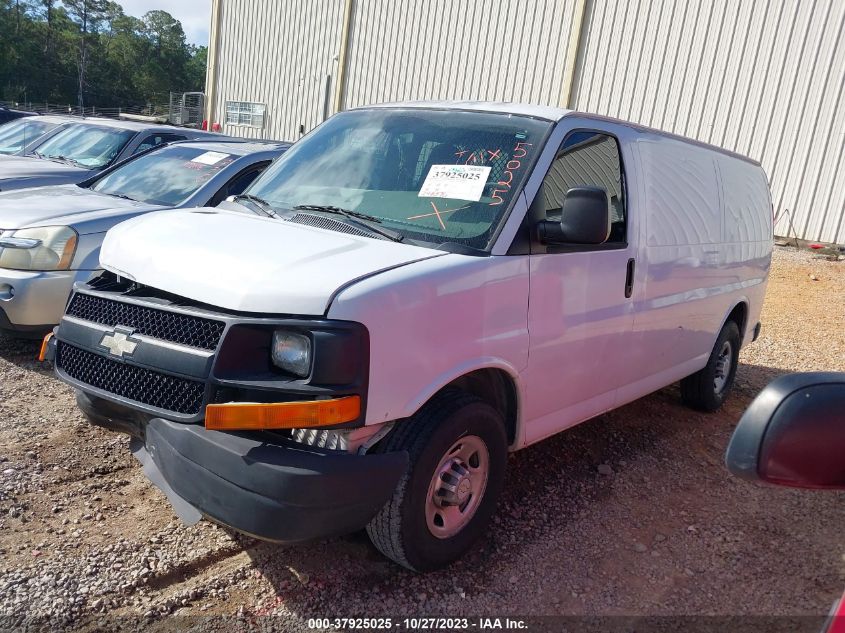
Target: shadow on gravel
[[551, 486], [15, 350]]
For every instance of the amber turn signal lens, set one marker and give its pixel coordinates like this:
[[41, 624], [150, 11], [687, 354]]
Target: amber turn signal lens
[[281, 415], [43, 353]]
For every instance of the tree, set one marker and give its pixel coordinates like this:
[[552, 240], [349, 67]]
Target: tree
[[90, 50], [87, 14], [196, 69]]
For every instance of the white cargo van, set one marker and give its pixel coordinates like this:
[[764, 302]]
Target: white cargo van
[[409, 293]]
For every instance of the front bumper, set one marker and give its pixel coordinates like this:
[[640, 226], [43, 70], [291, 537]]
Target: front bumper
[[275, 492], [33, 302], [182, 357]]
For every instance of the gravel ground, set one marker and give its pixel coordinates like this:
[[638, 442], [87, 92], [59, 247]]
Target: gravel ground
[[631, 513]]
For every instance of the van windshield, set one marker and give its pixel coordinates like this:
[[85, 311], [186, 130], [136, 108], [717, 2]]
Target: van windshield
[[430, 175]]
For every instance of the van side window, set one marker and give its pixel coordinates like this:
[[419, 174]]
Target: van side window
[[588, 159]]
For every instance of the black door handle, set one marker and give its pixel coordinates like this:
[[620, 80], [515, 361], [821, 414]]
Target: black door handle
[[629, 279]]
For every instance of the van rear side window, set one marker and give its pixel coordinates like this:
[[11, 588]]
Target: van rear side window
[[588, 159]]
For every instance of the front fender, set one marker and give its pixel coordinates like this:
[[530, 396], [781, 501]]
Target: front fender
[[435, 320], [428, 391]]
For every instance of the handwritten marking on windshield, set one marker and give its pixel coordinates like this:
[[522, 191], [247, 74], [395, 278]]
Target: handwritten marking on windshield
[[437, 212], [478, 156], [507, 177]]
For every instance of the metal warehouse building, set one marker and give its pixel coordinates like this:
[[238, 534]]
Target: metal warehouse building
[[761, 77]]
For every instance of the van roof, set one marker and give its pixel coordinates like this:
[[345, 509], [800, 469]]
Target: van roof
[[549, 113]]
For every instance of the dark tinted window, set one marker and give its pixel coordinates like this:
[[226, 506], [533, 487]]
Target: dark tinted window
[[238, 184], [157, 139]]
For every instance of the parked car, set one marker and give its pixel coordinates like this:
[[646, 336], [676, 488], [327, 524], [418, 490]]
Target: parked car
[[83, 149], [16, 135], [9, 114], [430, 286], [53, 234], [793, 434]]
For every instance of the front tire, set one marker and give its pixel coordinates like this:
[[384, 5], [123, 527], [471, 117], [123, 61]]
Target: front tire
[[707, 389], [444, 502]]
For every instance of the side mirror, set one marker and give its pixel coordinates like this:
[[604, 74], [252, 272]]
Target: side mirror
[[793, 434], [584, 219]]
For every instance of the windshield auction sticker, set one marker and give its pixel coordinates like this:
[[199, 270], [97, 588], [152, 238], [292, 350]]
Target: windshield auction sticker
[[210, 158], [461, 182]]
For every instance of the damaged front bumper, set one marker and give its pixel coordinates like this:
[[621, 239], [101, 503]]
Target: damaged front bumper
[[274, 492], [176, 360]]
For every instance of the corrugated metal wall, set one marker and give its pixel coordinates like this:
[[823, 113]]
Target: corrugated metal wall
[[764, 78], [279, 53], [500, 50]]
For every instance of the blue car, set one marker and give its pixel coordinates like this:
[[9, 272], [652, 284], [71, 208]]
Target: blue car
[[51, 236]]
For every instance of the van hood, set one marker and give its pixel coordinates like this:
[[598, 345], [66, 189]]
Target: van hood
[[17, 172], [247, 263], [63, 204]]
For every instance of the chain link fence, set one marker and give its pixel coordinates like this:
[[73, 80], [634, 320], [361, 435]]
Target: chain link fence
[[184, 109]]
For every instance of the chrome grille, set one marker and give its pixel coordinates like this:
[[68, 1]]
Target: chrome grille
[[175, 327]]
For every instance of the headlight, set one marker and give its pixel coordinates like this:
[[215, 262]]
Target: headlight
[[42, 248], [291, 352]]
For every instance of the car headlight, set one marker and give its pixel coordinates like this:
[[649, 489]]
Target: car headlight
[[291, 352], [41, 248]]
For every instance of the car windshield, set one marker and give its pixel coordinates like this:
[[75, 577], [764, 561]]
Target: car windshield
[[430, 175], [17, 134], [166, 176], [86, 146]]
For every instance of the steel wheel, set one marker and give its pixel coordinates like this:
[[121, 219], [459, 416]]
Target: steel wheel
[[457, 450], [457, 487], [723, 367]]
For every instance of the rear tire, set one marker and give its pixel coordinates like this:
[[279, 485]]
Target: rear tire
[[707, 389], [444, 502]]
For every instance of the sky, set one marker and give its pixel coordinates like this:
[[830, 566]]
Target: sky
[[195, 15]]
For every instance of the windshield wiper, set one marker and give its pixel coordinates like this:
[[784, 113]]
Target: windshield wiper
[[265, 207], [119, 195], [63, 159], [354, 217]]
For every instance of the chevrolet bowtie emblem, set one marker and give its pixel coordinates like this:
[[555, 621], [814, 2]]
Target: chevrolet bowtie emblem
[[118, 343]]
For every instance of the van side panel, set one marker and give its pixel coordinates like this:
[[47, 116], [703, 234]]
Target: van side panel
[[707, 248], [436, 320], [677, 312], [748, 223], [747, 202]]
